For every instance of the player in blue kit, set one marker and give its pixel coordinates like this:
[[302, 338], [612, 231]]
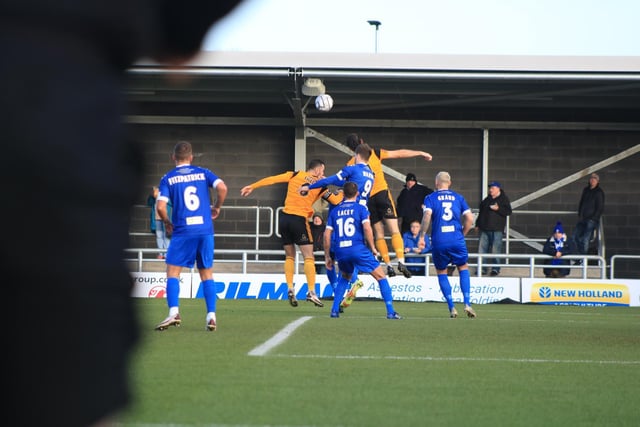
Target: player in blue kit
[[353, 247], [360, 173], [191, 225], [450, 219]]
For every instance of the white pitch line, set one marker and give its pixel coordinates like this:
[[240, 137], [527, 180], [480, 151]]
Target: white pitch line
[[278, 338], [464, 359]]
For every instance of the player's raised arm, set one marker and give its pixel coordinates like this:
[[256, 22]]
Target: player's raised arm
[[404, 153]]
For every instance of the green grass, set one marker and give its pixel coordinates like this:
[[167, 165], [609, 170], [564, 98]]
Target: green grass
[[524, 365]]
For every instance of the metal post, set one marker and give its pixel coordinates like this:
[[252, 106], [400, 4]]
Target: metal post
[[377, 25]]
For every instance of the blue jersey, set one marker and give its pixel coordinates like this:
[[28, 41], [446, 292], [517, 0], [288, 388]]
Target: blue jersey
[[447, 208], [359, 173], [187, 188], [347, 239], [346, 222]]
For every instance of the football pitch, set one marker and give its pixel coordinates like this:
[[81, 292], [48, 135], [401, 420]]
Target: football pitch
[[270, 364]]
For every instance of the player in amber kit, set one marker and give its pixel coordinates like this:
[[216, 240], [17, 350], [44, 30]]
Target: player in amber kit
[[381, 205], [451, 219], [294, 223], [186, 187]]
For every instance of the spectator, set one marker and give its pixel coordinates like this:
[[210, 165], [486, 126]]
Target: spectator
[[293, 223], [412, 245], [452, 219], [187, 188], [491, 223], [557, 245], [317, 232], [381, 204], [156, 225], [354, 248], [409, 202], [63, 115], [590, 210]]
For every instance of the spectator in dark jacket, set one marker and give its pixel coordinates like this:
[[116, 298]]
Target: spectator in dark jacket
[[589, 211], [409, 202], [557, 245], [491, 222]]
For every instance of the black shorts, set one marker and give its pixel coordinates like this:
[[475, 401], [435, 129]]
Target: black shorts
[[381, 206], [294, 229]]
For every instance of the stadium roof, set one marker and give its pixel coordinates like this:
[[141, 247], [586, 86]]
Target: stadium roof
[[392, 89]]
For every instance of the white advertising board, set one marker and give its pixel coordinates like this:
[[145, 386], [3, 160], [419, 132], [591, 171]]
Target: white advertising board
[[154, 285], [273, 286]]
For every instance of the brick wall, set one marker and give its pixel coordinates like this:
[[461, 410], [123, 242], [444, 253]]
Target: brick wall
[[524, 161]]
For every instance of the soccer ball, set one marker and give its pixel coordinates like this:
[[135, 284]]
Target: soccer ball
[[324, 102]]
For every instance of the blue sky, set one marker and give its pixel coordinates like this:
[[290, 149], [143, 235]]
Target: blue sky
[[489, 27]]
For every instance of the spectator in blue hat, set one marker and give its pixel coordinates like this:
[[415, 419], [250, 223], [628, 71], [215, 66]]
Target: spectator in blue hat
[[490, 224], [557, 245]]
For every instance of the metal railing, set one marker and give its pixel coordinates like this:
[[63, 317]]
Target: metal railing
[[532, 262], [261, 257], [256, 235], [510, 235], [272, 260], [612, 266]]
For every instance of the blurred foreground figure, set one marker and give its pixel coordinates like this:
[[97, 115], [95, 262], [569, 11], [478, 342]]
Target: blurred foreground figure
[[71, 177]]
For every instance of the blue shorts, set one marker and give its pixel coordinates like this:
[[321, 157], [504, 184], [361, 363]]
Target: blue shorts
[[361, 259], [185, 250], [456, 255]]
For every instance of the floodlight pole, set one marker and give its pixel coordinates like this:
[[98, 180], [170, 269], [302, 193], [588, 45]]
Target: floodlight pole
[[377, 25]]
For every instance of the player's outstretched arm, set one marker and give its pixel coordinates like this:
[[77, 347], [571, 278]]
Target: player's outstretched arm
[[406, 154], [269, 180]]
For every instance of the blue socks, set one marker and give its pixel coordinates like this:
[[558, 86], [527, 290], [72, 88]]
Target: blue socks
[[465, 286], [210, 297], [387, 296], [338, 294], [173, 291], [332, 276], [445, 287]]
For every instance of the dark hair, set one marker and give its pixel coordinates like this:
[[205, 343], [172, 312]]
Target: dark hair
[[182, 150], [411, 177], [364, 151], [353, 141], [314, 164], [350, 189]]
